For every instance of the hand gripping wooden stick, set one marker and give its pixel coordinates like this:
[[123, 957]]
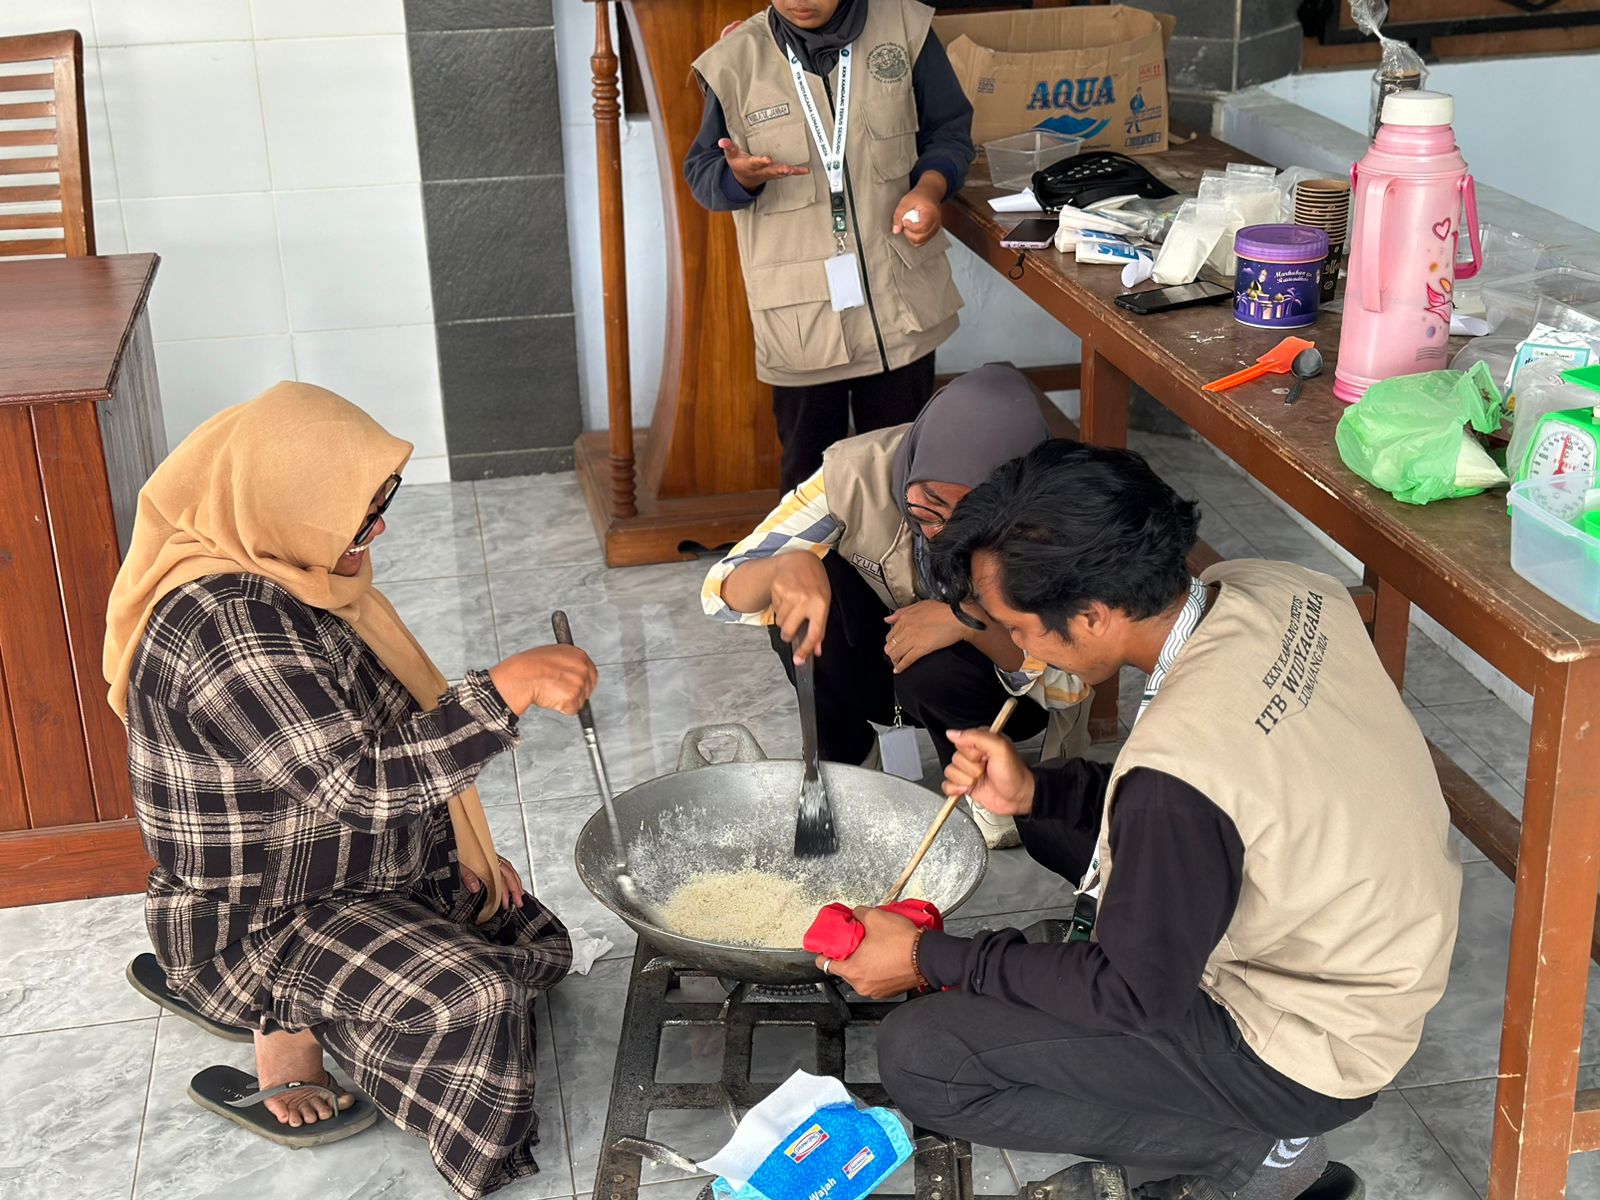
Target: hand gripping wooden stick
[[893, 894]]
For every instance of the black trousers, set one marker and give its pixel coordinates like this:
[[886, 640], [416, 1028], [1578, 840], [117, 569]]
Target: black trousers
[[812, 418], [954, 688], [1189, 1098]]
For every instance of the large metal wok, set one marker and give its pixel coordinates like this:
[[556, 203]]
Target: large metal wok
[[730, 816]]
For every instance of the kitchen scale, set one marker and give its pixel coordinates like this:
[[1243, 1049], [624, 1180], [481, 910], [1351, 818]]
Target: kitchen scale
[[1566, 443]]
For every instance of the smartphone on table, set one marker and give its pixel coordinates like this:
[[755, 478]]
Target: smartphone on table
[[1181, 295], [1036, 233]]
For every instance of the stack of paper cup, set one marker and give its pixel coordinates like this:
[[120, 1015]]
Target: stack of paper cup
[[1325, 204]]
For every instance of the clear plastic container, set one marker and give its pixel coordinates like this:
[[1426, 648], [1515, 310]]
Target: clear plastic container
[[1517, 299], [1555, 538], [1014, 159]]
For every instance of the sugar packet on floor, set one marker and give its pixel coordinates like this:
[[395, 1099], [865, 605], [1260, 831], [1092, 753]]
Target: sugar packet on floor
[[809, 1140]]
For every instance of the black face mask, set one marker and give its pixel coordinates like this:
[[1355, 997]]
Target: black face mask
[[818, 49], [926, 587]]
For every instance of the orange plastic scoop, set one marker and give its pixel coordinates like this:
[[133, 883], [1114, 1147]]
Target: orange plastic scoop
[[1276, 361]]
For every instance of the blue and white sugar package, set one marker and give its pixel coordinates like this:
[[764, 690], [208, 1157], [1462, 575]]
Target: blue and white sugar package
[[809, 1140]]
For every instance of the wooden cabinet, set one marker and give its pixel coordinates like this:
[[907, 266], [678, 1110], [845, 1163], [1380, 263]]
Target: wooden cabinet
[[80, 431]]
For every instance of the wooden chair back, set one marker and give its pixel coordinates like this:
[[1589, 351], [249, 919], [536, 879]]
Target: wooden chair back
[[45, 203]]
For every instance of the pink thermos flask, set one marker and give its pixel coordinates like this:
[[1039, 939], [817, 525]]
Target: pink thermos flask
[[1410, 192]]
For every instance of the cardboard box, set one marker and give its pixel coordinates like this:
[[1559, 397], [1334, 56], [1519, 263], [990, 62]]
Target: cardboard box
[[1096, 72]]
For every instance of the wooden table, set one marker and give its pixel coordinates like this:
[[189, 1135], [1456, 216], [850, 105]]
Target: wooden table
[[1450, 559], [80, 431]]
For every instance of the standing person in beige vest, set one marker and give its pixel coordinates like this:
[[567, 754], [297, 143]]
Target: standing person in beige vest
[[841, 556], [1268, 893], [844, 261]]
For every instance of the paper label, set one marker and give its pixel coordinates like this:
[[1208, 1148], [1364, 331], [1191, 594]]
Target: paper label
[[844, 282]]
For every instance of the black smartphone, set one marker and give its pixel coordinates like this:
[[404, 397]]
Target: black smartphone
[[1181, 295], [1033, 234]]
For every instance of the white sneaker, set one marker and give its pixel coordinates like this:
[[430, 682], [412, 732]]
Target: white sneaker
[[999, 833]]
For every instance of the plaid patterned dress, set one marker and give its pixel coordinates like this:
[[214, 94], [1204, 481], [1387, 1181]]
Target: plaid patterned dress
[[293, 796]]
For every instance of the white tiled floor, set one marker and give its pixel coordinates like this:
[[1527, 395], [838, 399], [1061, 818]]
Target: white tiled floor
[[93, 1101]]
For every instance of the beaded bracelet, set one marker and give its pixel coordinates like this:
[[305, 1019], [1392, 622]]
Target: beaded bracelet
[[916, 964]]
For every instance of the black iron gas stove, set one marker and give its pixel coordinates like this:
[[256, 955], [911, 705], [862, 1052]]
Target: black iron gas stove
[[664, 995]]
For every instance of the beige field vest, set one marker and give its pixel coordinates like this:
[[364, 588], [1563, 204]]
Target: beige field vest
[[786, 236], [1279, 711], [858, 481]]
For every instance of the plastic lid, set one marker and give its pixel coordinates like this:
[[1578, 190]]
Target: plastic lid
[[1281, 243], [1419, 108]]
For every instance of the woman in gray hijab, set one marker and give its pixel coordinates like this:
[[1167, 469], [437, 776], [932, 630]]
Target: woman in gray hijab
[[834, 572]]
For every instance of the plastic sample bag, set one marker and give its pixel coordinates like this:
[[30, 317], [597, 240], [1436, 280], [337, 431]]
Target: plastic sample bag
[[808, 1140], [1410, 435]]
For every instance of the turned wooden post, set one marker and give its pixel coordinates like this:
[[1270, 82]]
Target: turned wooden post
[[613, 260]]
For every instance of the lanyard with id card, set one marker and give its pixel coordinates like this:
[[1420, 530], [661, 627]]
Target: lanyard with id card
[[844, 273]]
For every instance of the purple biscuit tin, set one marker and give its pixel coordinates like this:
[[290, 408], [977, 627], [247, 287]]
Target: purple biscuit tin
[[1280, 275]]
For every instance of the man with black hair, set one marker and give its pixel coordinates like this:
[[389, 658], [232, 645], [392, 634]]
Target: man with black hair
[[1284, 901]]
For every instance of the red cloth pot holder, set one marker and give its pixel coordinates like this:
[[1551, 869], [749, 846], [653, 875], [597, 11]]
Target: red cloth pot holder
[[836, 933]]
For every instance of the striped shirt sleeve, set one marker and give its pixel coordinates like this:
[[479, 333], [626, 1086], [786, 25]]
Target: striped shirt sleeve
[[1049, 686], [801, 522]]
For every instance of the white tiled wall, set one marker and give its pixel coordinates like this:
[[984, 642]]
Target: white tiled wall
[[266, 150]]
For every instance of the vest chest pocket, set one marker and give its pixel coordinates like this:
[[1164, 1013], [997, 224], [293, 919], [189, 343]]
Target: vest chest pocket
[[892, 130], [921, 276], [785, 140], [795, 326]]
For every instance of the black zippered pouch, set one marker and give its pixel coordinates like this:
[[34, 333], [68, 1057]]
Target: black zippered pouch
[[1090, 178]]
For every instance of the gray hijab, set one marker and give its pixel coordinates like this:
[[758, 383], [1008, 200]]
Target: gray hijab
[[973, 425]]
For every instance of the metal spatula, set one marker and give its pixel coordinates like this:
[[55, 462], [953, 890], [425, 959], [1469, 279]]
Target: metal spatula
[[813, 830], [627, 888]]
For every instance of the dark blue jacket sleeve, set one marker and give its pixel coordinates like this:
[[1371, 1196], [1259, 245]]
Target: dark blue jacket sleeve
[[944, 117], [1179, 867], [706, 168]]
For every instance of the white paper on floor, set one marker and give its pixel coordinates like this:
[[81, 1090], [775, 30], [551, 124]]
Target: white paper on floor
[[587, 949]]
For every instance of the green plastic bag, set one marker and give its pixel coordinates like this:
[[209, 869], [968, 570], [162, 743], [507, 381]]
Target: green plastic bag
[[1408, 435]]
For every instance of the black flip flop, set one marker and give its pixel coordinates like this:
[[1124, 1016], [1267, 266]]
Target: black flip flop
[[150, 981], [231, 1093]]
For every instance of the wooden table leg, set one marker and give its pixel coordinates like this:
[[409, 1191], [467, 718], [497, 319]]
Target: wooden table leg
[[1390, 626], [1104, 395], [1558, 870]]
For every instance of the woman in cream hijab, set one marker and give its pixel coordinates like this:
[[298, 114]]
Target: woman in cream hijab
[[303, 776]]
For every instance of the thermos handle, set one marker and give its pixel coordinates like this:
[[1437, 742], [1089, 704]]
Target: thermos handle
[[1371, 239], [1469, 195]]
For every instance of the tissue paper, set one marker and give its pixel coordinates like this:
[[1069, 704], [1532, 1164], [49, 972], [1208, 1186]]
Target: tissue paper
[[587, 949]]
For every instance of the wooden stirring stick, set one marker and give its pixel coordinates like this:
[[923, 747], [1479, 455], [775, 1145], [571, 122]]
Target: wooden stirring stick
[[893, 894]]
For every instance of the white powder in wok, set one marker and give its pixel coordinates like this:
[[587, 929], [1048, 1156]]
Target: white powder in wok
[[752, 908]]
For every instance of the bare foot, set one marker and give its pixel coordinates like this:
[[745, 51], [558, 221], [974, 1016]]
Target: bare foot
[[295, 1058]]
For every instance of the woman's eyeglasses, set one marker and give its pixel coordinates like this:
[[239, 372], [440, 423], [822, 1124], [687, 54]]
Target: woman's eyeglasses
[[391, 485], [931, 521]]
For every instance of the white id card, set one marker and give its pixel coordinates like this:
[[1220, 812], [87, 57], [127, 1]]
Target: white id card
[[899, 753], [844, 282]]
